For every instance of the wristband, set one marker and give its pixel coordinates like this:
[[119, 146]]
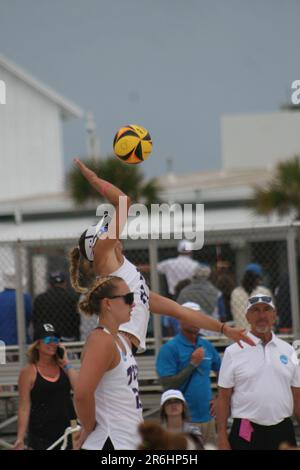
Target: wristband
[[222, 328]]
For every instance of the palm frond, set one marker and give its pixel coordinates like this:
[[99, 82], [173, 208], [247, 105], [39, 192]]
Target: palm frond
[[129, 178], [282, 194]]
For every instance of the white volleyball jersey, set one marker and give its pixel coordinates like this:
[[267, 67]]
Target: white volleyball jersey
[[138, 322], [118, 407]]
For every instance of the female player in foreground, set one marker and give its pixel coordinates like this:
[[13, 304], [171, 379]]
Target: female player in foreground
[[106, 395], [100, 245]]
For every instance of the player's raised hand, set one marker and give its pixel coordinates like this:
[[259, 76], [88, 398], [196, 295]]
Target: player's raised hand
[[90, 175], [237, 335]]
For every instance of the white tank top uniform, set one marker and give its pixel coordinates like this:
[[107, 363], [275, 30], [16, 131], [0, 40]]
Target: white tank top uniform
[[118, 407], [138, 323]]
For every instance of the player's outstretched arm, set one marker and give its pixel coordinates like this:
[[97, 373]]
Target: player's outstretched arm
[[103, 187], [164, 306]]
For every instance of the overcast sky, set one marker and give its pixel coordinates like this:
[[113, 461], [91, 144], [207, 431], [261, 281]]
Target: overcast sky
[[173, 66]]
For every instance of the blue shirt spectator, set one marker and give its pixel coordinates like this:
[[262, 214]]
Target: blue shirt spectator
[[8, 311], [174, 356]]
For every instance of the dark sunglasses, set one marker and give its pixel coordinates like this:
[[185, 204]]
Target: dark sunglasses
[[128, 298], [50, 339], [260, 298]]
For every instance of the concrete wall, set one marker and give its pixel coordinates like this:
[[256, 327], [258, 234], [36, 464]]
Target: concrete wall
[[259, 140]]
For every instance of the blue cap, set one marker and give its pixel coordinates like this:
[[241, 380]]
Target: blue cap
[[254, 268]]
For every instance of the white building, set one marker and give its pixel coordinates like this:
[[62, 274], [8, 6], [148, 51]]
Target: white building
[[31, 151], [259, 140], [262, 140]]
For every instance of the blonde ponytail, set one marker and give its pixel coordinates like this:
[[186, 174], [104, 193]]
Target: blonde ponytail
[[74, 258]]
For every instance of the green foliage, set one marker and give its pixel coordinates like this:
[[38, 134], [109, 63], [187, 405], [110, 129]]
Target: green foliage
[[282, 194], [129, 178]]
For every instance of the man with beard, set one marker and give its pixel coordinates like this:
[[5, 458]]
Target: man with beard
[[261, 386]]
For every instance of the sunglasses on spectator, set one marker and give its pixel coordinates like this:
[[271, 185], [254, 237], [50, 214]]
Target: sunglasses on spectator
[[128, 298], [261, 298], [50, 339]]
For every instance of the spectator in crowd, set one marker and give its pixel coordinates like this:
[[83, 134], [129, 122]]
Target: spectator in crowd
[[58, 306], [45, 403], [175, 324], [87, 324], [155, 437], [259, 386], [283, 304], [185, 363], [250, 285], [201, 291], [174, 413], [8, 310], [179, 268], [181, 285], [224, 280], [170, 325]]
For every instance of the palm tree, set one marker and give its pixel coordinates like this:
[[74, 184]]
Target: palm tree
[[129, 178], [282, 194]]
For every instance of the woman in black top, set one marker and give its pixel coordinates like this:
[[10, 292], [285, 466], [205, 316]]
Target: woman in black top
[[45, 403]]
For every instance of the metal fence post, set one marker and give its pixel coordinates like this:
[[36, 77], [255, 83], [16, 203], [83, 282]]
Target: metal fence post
[[293, 277], [153, 258], [21, 324]]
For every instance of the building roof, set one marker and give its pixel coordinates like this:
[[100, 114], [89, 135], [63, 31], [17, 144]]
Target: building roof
[[68, 109], [215, 220], [217, 187], [206, 186]]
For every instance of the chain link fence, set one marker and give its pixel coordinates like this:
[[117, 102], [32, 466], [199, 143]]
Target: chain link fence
[[216, 278]]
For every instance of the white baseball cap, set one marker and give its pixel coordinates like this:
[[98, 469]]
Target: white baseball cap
[[169, 394], [191, 305], [260, 299], [184, 246]]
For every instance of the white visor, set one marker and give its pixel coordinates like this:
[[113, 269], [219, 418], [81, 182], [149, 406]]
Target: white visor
[[89, 242], [93, 233]]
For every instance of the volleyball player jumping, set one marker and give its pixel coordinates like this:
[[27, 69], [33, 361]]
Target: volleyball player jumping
[[101, 246]]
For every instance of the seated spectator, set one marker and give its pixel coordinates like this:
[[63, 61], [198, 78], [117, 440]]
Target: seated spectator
[[174, 413], [201, 291], [58, 306], [251, 285], [170, 325], [185, 363], [87, 324], [8, 310], [283, 304], [224, 280]]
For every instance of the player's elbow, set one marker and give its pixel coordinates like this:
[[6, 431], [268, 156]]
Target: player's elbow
[[81, 395]]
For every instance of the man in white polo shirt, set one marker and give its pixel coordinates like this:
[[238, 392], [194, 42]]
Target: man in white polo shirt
[[260, 385]]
